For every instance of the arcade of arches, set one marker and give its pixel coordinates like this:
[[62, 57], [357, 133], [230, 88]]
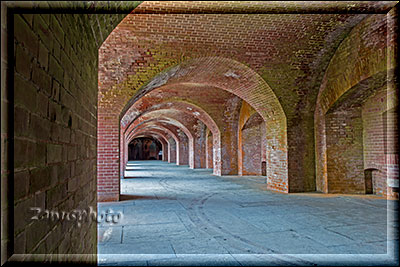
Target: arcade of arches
[[302, 95], [252, 101]]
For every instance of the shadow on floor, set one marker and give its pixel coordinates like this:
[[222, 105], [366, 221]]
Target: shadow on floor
[[136, 177], [136, 197]]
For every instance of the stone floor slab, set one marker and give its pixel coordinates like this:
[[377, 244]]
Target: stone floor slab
[[173, 215]]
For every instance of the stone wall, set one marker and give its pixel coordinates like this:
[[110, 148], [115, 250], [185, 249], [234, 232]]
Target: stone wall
[[51, 96]]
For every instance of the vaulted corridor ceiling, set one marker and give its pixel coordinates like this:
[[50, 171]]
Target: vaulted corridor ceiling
[[300, 94], [198, 78]]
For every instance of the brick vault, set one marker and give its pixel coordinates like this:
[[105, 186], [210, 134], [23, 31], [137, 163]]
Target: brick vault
[[303, 94]]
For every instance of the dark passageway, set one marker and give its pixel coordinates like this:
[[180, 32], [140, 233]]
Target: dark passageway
[[144, 149]]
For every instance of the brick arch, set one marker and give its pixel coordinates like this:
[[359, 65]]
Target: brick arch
[[347, 73], [146, 119], [124, 144], [155, 131], [147, 128], [195, 160], [192, 110], [184, 141], [156, 136], [149, 119], [173, 140], [168, 125], [190, 130], [240, 80], [229, 75], [183, 106], [159, 138], [339, 77], [164, 135], [290, 48], [125, 136], [144, 128], [251, 151]]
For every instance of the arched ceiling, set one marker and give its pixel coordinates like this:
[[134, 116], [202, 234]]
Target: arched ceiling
[[185, 109], [156, 136], [186, 124], [208, 59], [183, 102], [282, 48], [176, 127], [153, 129]]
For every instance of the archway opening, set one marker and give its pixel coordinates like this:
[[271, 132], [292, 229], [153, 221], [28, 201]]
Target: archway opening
[[357, 138], [251, 142], [144, 148], [178, 97]]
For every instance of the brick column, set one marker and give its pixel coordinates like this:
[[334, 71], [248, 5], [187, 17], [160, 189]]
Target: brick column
[[172, 150], [209, 150], [183, 150], [108, 158]]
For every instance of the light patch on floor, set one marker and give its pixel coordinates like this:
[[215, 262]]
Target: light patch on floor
[[173, 215]]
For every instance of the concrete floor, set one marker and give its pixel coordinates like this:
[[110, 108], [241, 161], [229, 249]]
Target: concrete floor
[[173, 215]]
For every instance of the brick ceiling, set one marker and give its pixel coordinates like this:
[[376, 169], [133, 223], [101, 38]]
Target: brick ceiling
[[288, 44]]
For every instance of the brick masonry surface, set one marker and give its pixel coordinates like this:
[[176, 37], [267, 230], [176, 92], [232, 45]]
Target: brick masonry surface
[[306, 91], [54, 106], [154, 59]]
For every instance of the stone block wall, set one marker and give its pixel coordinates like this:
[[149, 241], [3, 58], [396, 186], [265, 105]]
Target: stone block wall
[[49, 69], [54, 131]]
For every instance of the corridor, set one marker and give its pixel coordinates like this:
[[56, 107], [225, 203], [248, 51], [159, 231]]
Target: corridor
[[173, 215], [223, 132]]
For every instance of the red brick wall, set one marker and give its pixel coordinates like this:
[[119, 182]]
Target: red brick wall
[[359, 65], [277, 68], [199, 151], [123, 153], [107, 159], [172, 150], [155, 60], [209, 149], [361, 136], [344, 144], [380, 142], [182, 150], [251, 145]]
